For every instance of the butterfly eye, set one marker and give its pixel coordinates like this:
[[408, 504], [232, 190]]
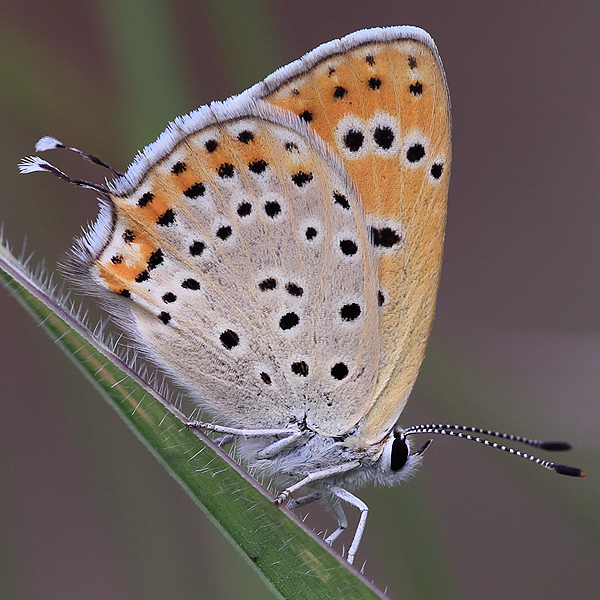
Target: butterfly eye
[[399, 454]]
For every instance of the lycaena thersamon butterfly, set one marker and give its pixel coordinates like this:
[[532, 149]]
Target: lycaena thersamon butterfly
[[278, 255]]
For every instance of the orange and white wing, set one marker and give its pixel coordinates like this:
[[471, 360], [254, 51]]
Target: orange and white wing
[[238, 258], [379, 98]]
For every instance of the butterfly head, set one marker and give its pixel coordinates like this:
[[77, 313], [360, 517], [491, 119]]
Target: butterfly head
[[398, 460]]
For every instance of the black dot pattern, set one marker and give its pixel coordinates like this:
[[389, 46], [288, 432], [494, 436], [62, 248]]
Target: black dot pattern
[[288, 321], [117, 259], [245, 136], [224, 232], [225, 171], [145, 199], [412, 62], [197, 248], [194, 191], [272, 209], [300, 368], [301, 178], [350, 312], [436, 170], [156, 258], [383, 137], [353, 140], [416, 89], [293, 289], [339, 371], [244, 209], [267, 284], [415, 153], [190, 284], [178, 168], [341, 200], [167, 218], [385, 237], [339, 92], [239, 180], [348, 247], [230, 339], [258, 166]]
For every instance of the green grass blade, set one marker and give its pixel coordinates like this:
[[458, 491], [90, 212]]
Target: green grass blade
[[292, 562]]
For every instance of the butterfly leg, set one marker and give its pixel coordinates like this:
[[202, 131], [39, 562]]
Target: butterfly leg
[[225, 439], [342, 520], [234, 431], [276, 447], [346, 496], [316, 476], [291, 435], [295, 503]]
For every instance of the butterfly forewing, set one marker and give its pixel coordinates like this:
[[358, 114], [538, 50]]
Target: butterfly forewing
[[381, 102]]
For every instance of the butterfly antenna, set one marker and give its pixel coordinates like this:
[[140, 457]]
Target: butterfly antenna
[[32, 164], [50, 143], [465, 432]]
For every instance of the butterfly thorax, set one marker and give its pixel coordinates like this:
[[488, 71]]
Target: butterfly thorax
[[314, 453]]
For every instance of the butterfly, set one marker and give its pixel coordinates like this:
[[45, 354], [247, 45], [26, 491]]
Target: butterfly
[[278, 255]]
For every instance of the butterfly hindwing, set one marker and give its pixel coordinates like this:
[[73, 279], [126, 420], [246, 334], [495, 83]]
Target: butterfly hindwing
[[243, 255]]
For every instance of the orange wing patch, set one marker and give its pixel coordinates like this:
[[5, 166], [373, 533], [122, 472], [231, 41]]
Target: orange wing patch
[[384, 108]]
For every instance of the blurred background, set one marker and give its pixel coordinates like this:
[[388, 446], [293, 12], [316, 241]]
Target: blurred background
[[515, 345]]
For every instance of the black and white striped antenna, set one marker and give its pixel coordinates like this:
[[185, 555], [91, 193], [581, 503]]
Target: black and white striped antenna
[[473, 433], [32, 164]]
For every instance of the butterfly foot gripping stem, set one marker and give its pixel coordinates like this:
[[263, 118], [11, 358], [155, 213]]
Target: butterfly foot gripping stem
[[283, 497]]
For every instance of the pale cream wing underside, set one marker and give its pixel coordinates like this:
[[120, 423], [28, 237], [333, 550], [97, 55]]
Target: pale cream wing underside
[[245, 259]]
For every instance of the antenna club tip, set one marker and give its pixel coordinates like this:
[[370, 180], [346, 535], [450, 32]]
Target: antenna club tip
[[555, 446], [569, 471]]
